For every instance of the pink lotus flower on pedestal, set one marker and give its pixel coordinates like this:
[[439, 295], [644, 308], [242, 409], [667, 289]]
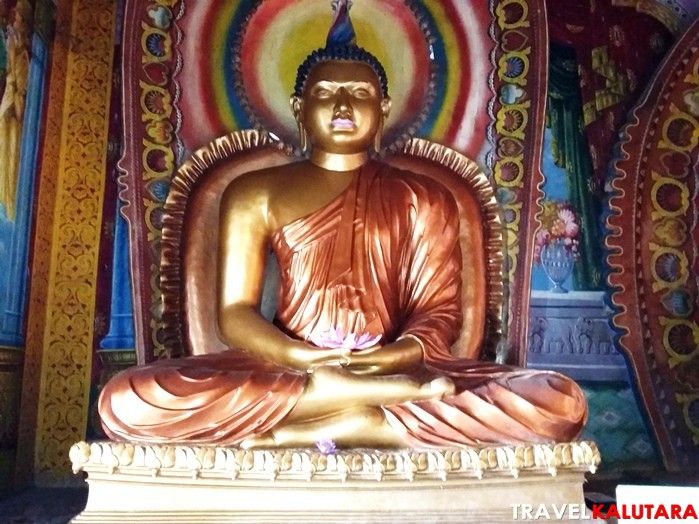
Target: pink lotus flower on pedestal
[[326, 446], [336, 338]]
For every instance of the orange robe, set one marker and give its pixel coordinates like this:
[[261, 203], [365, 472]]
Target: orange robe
[[382, 259]]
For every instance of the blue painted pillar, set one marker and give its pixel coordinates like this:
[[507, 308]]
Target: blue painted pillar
[[121, 330]]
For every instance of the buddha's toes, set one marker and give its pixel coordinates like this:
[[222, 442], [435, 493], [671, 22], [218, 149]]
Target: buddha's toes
[[265, 440], [438, 388]]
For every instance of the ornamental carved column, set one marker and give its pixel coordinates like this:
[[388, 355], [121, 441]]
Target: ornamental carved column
[[58, 360]]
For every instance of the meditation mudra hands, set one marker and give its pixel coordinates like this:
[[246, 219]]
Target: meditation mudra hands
[[402, 356], [359, 354], [336, 365]]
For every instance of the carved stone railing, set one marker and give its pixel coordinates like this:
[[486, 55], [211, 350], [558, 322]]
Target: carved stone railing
[[571, 333]]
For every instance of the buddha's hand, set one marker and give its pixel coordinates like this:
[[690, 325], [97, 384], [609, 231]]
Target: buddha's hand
[[302, 357], [401, 356]]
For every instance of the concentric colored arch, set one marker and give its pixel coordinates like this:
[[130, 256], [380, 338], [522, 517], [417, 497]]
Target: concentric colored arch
[[280, 33]]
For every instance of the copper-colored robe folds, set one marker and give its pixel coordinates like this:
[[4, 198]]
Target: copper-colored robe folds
[[381, 259]]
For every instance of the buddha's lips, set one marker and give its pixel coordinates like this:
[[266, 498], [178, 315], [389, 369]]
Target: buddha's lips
[[342, 123]]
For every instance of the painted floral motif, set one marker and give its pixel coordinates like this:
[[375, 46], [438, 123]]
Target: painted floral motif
[[160, 131], [157, 45], [161, 16], [617, 35], [678, 302], [559, 225], [691, 98], [677, 162]]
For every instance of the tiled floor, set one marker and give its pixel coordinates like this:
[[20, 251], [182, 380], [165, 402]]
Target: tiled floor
[[41, 505]]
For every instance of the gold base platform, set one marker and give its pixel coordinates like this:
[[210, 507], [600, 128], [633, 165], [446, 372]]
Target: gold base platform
[[177, 483]]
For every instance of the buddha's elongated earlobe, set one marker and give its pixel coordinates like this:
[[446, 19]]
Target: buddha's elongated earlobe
[[303, 136], [385, 110], [297, 109], [378, 136]]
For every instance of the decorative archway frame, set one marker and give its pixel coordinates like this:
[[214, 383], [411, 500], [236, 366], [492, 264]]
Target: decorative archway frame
[[151, 154], [152, 151], [673, 14], [184, 182], [652, 241], [519, 82]]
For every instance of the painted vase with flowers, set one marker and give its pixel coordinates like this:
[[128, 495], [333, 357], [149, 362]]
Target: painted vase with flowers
[[556, 242]]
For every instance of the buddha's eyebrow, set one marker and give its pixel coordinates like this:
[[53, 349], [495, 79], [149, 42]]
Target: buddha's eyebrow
[[329, 84]]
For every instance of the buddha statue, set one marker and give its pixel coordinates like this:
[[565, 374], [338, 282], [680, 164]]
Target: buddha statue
[[368, 307]]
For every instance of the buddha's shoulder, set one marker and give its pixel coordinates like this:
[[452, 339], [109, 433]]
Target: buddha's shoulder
[[260, 184]]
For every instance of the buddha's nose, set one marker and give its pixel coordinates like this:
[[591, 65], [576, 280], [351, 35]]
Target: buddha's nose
[[342, 103]]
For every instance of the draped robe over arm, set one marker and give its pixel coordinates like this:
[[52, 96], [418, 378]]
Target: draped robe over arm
[[379, 262]]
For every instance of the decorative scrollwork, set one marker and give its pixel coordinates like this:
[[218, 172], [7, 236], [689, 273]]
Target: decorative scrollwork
[[520, 60], [652, 252]]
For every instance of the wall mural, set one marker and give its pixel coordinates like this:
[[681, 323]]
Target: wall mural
[[23, 40], [15, 45], [597, 70], [25, 35]]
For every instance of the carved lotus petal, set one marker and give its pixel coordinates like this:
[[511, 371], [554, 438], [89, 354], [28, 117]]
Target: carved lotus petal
[[221, 460], [248, 461], [151, 460], [206, 457], [180, 458], [79, 453]]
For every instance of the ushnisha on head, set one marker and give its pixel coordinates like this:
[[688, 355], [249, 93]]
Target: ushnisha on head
[[340, 99]]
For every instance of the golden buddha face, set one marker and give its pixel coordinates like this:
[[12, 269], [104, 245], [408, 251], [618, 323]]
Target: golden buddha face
[[342, 109]]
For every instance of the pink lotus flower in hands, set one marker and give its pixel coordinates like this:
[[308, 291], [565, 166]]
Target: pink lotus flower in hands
[[335, 338]]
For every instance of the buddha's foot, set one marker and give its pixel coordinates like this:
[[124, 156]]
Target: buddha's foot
[[362, 427], [265, 440], [438, 388]]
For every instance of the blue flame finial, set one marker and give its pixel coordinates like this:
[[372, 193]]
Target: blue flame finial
[[341, 32]]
